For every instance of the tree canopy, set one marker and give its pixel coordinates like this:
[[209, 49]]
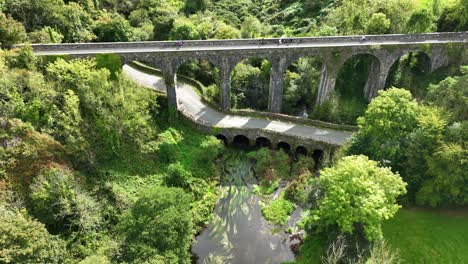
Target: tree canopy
[[356, 191]]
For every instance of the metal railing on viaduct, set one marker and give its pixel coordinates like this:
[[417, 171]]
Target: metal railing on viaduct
[[333, 52]]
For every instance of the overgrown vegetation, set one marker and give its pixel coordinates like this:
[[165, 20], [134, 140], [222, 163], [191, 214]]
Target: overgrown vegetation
[[92, 171], [89, 152], [130, 20], [419, 142]]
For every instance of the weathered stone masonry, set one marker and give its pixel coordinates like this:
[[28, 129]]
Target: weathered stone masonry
[[225, 54], [164, 56]]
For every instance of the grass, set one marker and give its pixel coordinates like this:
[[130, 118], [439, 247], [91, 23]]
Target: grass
[[419, 235], [429, 236]]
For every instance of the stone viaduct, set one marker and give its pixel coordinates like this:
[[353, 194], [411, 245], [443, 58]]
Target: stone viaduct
[[226, 54], [333, 52]]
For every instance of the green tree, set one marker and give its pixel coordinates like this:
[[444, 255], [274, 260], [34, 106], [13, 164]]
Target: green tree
[[224, 31], [25, 240], [383, 129], [139, 17], [177, 176], [378, 24], [420, 145], [59, 202], [452, 95], [35, 14], [193, 6], [115, 113], [448, 181], [184, 29], [45, 35], [11, 31], [162, 14], [207, 152], [301, 85], [76, 24], [159, 224], [353, 16], [421, 21], [356, 191], [166, 146], [454, 17], [112, 27], [251, 27], [67, 129], [249, 86]]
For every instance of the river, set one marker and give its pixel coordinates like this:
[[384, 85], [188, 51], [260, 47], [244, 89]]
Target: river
[[239, 234]]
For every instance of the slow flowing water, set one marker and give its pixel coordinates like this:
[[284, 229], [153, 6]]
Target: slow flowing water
[[238, 232]]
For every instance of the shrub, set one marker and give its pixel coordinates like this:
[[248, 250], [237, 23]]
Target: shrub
[[303, 165], [296, 190], [278, 211], [58, 202], [177, 176], [159, 225], [25, 240], [167, 149]]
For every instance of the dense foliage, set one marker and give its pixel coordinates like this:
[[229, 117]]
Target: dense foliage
[[130, 20], [271, 167], [159, 226], [419, 142], [356, 191], [91, 170], [25, 240], [89, 152]]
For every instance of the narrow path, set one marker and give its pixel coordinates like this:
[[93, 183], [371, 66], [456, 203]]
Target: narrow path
[[191, 104]]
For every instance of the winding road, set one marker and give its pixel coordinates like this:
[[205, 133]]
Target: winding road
[[191, 104]]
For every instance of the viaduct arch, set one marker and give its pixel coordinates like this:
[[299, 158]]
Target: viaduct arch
[[333, 52], [226, 54]]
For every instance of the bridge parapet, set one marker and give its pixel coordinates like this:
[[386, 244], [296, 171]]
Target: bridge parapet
[[225, 54], [335, 40]]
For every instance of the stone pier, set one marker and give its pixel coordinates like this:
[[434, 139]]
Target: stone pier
[[225, 54]]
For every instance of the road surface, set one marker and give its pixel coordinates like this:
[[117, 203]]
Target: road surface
[[191, 104]]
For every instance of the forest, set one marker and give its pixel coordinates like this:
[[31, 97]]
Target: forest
[[93, 168]]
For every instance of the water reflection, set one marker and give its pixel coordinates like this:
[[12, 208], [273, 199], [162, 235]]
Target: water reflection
[[238, 232]]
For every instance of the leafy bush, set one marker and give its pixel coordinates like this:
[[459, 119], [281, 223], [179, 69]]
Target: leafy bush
[[296, 190], [452, 95], [167, 149], [400, 112], [356, 190], [203, 164], [304, 165], [58, 201], [25, 240], [27, 152], [112, 62], [271, 167], [11, 31], [159, 225], [177, 176], [278, 211]]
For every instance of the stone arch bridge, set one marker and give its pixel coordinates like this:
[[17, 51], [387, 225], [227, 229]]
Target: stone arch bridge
[[225, 54], [333, 52]]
